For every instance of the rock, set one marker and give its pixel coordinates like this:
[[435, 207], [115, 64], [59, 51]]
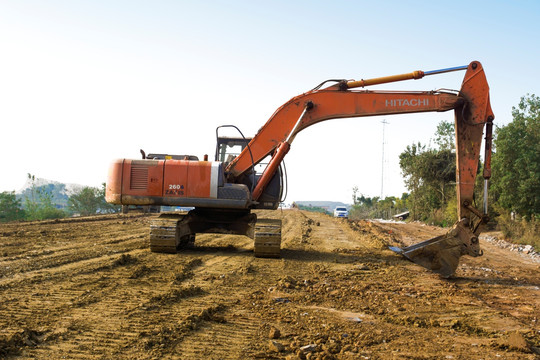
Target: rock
[[517, 341], [274, 333], [527, 249], [288, 282], [309, 348], [362, 267], [335, 292], [276, 346], [282, 300]]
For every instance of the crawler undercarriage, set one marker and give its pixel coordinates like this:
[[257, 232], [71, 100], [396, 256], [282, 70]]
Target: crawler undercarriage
[[173, 231]]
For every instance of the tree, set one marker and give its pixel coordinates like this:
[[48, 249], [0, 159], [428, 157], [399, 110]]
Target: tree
[[10, 207], [516, 161], [367, 207], [430, 176], [90, 200], [85, 202], [409, 161], [445, 136], [38, 203]]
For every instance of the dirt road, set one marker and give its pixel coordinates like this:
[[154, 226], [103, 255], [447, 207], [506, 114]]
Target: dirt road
[[90, 289]]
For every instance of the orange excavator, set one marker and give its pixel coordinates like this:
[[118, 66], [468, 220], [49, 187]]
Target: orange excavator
[[224, 192]]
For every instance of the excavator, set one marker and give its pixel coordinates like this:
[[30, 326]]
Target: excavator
[[223, 193]]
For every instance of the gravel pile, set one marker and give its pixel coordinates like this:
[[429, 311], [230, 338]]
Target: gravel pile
[[525, 250]]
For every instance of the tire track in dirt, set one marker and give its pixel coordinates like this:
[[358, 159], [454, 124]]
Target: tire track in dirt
[[144, 315], [231, 282], [217, 276], [340, 290], [60, 265], [50, 250], [111, 314], [226, 278], [50, 308], [215, 341]]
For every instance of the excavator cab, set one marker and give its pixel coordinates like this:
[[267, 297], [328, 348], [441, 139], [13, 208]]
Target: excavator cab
[[227, 148]]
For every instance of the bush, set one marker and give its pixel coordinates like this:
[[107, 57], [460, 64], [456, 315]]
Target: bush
[[519, 230], [10, 207], [38, 203], [450, 213]]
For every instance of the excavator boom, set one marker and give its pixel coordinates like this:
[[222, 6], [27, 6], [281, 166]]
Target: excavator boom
[[333, 104]]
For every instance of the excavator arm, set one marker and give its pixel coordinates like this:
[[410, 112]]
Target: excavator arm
[[472, 112]]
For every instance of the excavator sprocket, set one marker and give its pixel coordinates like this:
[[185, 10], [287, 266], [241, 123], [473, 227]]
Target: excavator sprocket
[[267, 238], [164, 233], [441, 254]]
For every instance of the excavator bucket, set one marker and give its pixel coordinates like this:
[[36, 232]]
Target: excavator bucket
[[441, 254]]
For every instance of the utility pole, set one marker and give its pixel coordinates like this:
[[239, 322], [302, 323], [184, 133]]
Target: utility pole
[[384, 122]]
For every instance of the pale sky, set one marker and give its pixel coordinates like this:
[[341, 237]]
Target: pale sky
[[85, 82]]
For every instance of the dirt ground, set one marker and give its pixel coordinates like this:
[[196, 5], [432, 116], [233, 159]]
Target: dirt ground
[[90, 288]]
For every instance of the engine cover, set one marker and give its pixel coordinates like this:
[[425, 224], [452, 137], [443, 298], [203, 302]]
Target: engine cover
[[173, 183]]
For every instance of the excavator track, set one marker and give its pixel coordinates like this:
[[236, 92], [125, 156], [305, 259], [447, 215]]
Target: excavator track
[[267, 238], [164, 235]]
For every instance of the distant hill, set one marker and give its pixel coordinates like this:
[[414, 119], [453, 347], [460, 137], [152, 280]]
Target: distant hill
[[59, 192], [328, 205], [68, 189]]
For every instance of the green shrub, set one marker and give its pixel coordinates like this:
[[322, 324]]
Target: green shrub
[[519, 230]]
